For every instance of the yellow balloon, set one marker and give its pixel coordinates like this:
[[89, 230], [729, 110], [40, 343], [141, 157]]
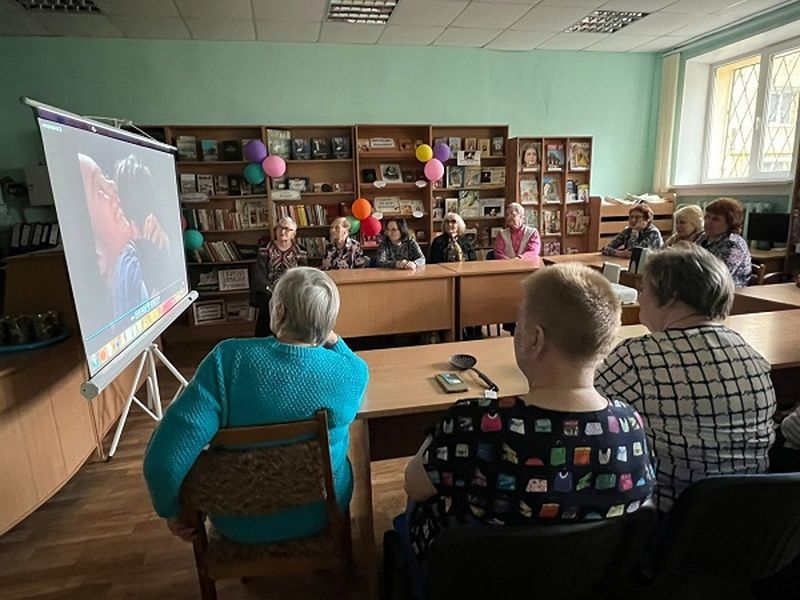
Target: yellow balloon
[[424, 153]]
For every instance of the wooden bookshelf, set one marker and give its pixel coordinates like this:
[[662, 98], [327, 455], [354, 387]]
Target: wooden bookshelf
[[551, 178]]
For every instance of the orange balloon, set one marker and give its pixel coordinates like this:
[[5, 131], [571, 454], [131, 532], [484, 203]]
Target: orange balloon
[[361, 209]]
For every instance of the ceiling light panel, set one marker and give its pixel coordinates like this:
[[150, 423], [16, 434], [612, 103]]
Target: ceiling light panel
[[60, 6], [373, 12], [605, 21]]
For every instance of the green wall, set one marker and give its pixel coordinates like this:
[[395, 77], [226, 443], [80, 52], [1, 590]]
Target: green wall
[[611, 96]]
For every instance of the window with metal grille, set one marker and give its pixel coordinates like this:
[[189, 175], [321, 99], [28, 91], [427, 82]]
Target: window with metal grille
[[752, 116]]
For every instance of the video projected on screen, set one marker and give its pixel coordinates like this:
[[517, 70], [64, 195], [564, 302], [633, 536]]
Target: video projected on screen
[[118, 212]]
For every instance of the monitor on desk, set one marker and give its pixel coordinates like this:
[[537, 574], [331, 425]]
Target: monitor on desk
[[768, 227]]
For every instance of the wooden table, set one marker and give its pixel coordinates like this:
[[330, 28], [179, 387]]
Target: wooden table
[[389, 301], [489, 291], [760, 298], [590, 259]]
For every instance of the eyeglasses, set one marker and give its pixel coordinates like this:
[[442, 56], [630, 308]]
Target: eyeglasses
[[282, 228], [450, 221]]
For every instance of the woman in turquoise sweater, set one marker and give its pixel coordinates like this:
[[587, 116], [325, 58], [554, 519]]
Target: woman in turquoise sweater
[[245, 382]]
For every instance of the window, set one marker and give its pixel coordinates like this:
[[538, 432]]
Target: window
[[752, 116]]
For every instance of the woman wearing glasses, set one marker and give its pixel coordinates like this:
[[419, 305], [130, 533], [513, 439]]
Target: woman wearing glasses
[[452, 246], [399, 250], [272, 261]]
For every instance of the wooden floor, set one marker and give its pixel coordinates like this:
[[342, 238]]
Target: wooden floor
[[99, 538]]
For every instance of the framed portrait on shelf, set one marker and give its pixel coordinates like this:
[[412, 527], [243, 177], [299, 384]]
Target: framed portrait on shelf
[[391, 173], [233, 279], [206, 312]]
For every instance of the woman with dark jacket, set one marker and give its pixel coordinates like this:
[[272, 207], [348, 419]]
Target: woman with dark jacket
[[451, 246], [399, 250]]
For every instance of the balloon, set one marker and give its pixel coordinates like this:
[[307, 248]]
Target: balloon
[[184, 223], [192, 239], [441, 151], [255, 151], [434, 169], [371, 226], [355, 224], [274, 165], [254, 174], [361, 209], [424, 153]]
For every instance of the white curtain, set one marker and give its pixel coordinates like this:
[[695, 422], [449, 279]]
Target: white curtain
[[668, 102]]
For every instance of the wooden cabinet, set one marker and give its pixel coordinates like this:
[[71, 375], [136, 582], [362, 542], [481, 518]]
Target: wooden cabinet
[[551, 178]]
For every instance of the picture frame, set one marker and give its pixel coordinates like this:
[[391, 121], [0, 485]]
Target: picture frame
[[492, 207], [391, 173], [231, 280], [382, 143], [239, 310], [469, 158], [529, 157], [206, 312], [298, 184], [455, 177]]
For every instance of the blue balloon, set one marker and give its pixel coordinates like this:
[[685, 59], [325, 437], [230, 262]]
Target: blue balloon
[[192, 239], [254, 174]]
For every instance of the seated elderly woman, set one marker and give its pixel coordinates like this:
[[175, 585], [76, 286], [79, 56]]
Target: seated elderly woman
[[304, 368], [398, 250], [517, 240], [640, 233], [272, 261], [706, 395], [563, 451], [451, 246], [722, 237], [343, 252], [688, 225]]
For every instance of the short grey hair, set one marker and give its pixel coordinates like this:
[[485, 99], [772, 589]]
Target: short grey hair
[[692, 275], [462, 227], [287, 221], [309, 302], [342, 221], [515, 207]]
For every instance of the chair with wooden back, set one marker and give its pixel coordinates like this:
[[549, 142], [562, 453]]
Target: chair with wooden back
[[240, 476], [757, 274]]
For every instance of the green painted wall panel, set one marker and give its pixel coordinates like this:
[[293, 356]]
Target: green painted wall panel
[[611, 96]]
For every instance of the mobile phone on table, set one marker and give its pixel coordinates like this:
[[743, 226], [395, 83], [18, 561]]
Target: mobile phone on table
[[451, 382]]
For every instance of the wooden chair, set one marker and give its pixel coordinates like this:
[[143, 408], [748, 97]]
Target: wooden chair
[[757, 274], [233, 478]]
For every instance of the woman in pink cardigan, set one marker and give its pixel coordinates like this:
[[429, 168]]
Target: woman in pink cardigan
[[517, 240]]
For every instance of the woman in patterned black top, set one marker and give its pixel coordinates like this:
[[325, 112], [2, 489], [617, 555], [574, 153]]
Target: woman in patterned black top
[[398, 250], [343, 252], [705, 394], [723, 226], [272, 261], [451, 246], [562, 452], [640, 233]]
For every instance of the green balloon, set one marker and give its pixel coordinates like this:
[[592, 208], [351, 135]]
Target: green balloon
[[355, 224], [254, 173], [192, 239]]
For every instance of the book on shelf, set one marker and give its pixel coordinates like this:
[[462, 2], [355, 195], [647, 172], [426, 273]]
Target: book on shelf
[[529, 191], [286, 194], [239, 310], [551, 192], [493, 176], [485, 146], [320, 148], [231, 280], [245, 187], [531, 217], [472, 176], [450, 205], [455, 177], [469, 206], [210, 150], [207, 281], [571, 191], [235, 185], [382, 143], [301, 149], [468, 158], [579, 156], [583, 192], [555, 157], [552, 248], [577, 221], [408, 207], [492, 207], [230, 150], [341, 147], [205, 184], [217, 251], [253, 213], [529, 156], [188, 183], [498, 145], [386, 204], [551, 220], [213, 219], [314, 246], [187, 147], [455, 145], [391, 173], [221, 185], [470, 144], [279, 142]]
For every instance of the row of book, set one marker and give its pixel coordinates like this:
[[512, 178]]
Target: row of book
[[470, 205], [475, 176], [31, 237], [307, 215], [218, 251], [279, 142], [551, 191], [218, 185], [579, 156], [221, 219], [314, 246]]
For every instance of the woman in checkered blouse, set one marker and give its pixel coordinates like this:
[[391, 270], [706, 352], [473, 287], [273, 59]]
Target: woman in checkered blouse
[[705, 394]]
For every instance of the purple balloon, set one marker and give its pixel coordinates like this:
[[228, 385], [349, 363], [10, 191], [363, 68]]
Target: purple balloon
[[255, 151], [441, 151]]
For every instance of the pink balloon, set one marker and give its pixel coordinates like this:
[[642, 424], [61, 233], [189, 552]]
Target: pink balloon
[[184, 223], [434, 169], [274, 166], [371, 226]]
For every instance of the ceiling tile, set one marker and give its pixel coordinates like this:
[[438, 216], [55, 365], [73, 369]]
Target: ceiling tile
[[426, 13], [140, 8], [214, 9], [350, 33], [748, 7], [619, 42], [221, 29], [659, 44], [658, 23], [549, 18], [639, 5], [587, 4], [290, 10], [169, 28], [407, 35], [78, 25], [10, 6], [706, 24], [466, 36], [572, 41], [18, 23], [519, 40], [694, 7], [484, 15], [287, 31]]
